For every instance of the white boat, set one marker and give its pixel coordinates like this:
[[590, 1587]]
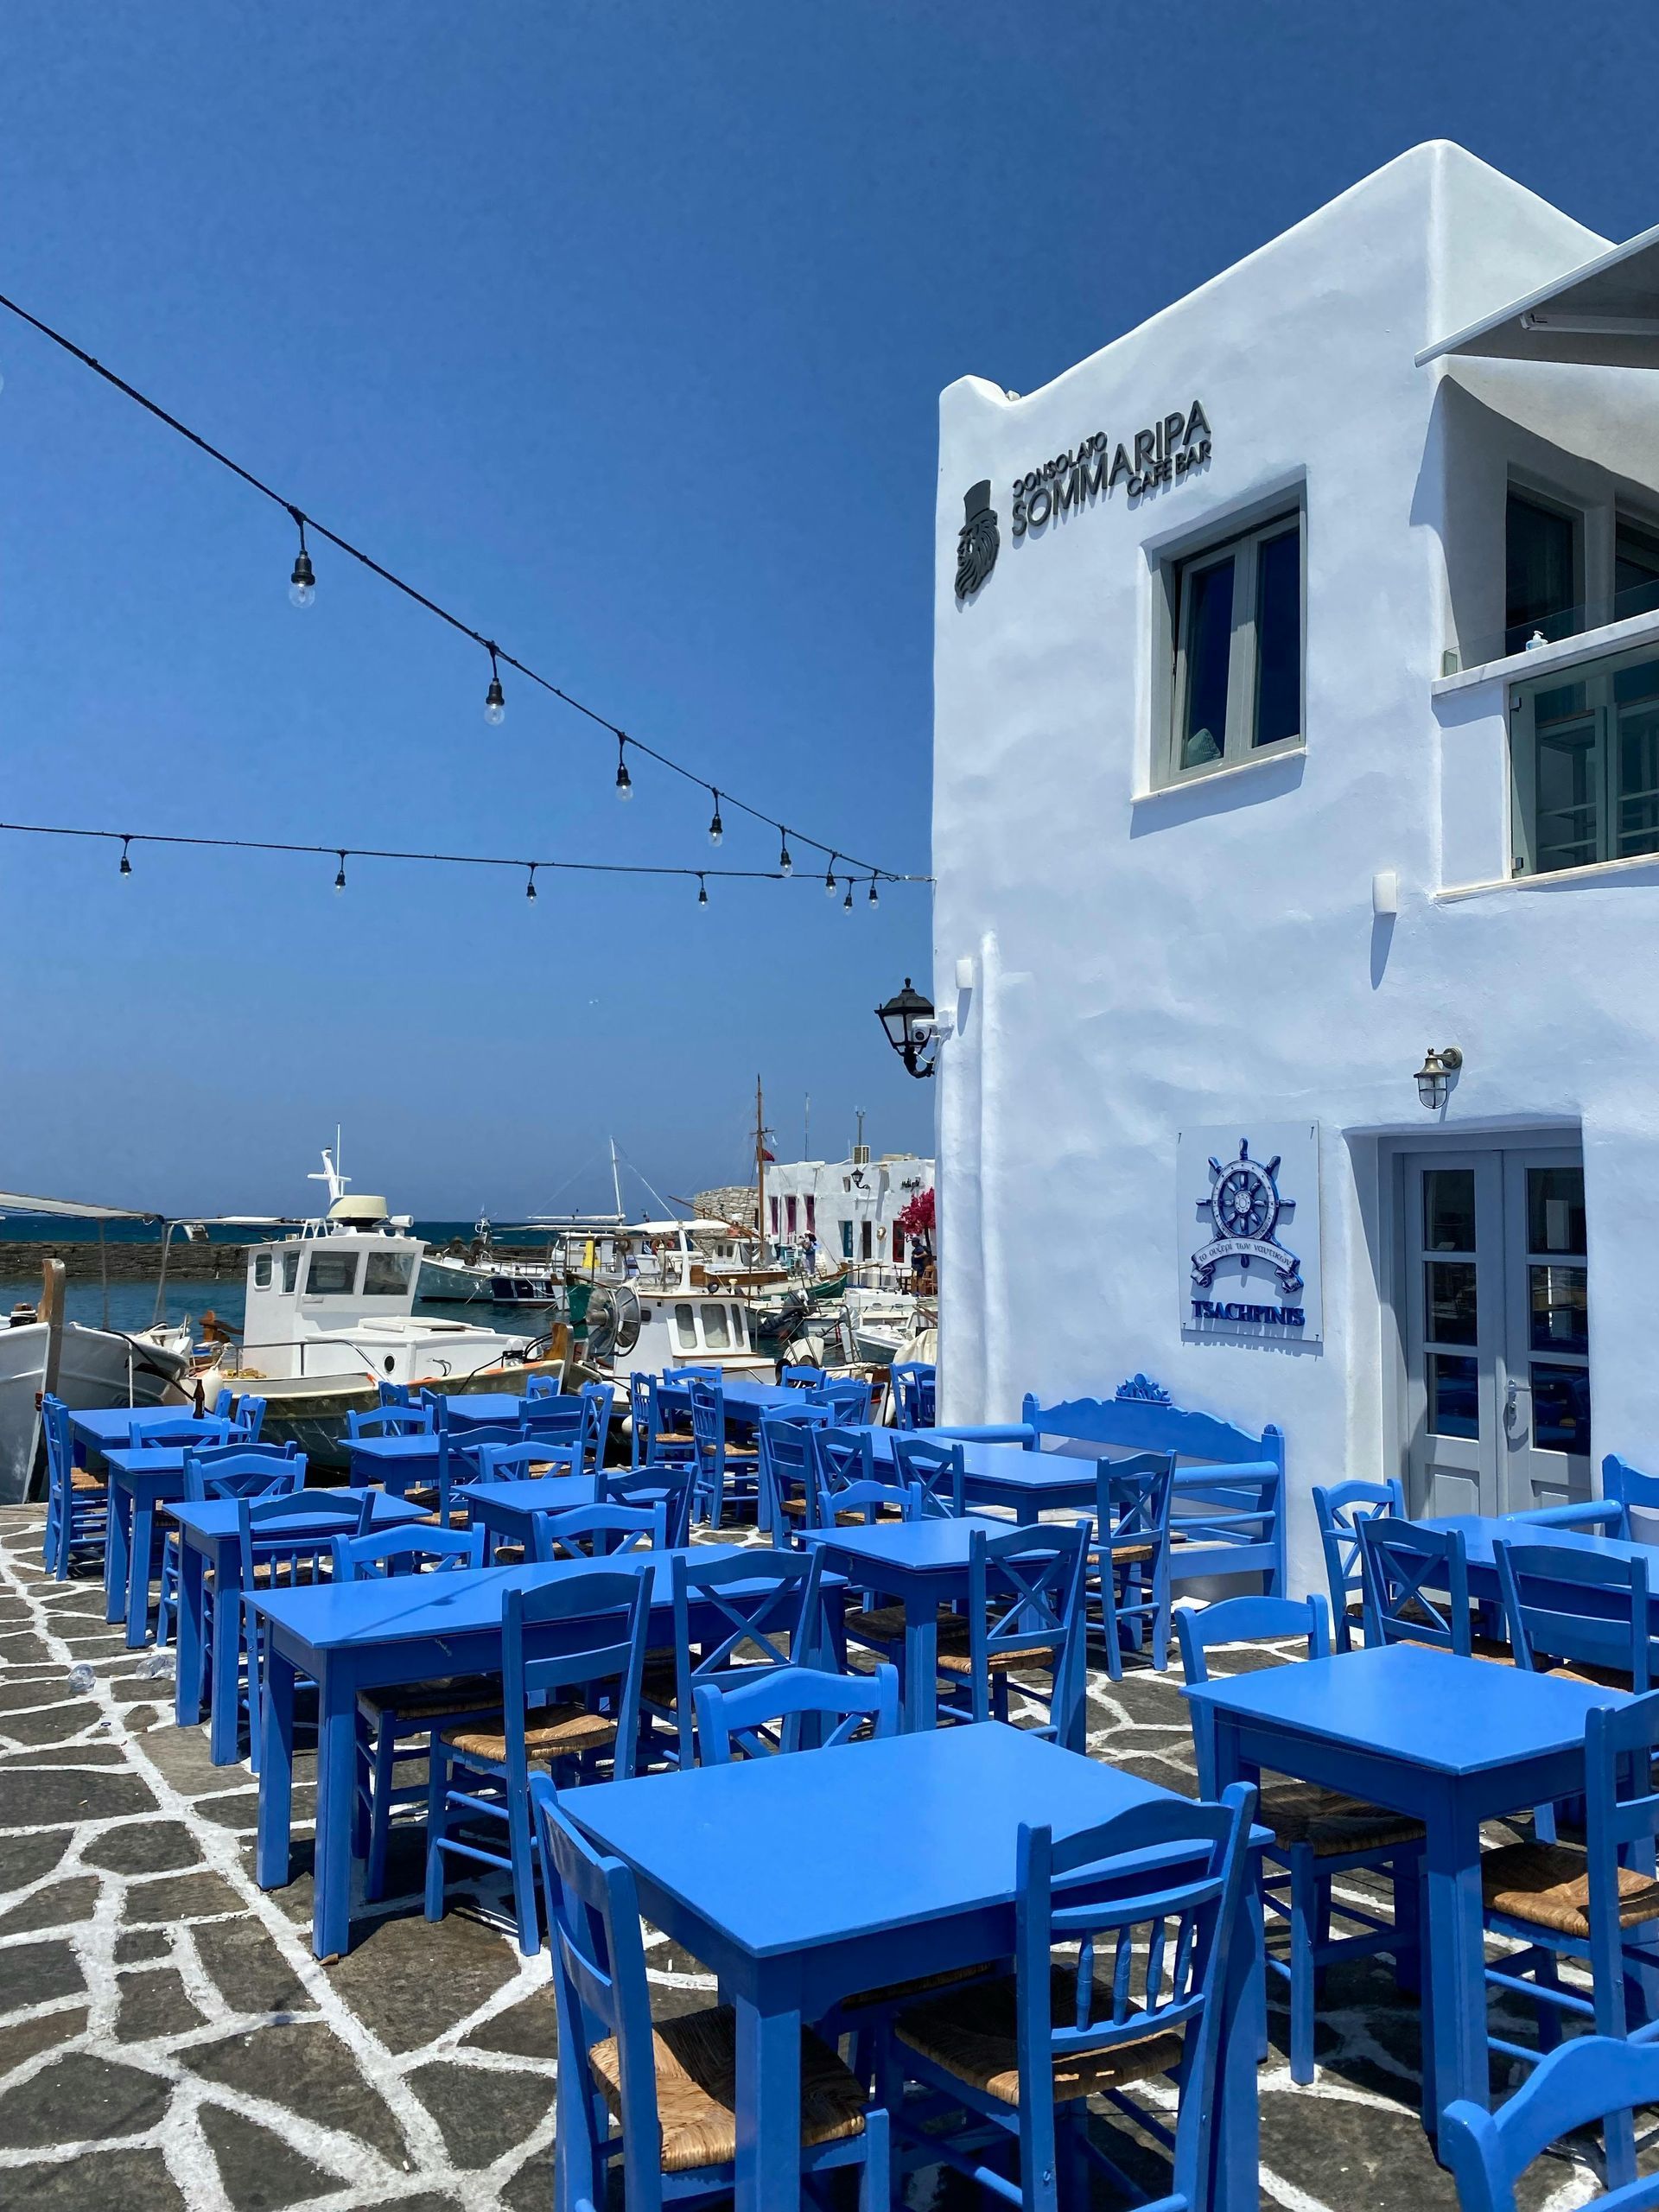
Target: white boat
[[22, 1376], [330, 1315], [665, 1307]]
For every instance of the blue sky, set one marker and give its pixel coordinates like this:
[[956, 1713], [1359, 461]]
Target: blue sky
[[621, 327]]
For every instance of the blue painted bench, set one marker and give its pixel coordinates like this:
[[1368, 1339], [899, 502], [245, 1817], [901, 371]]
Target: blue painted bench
[[1228, 1516]]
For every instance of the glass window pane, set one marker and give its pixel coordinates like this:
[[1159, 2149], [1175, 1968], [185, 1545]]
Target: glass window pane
[[1561, 1408], [330, 1275], [1449, 1299], [1560, 1309], [262, 1270], [1542, 573], [1449, 1209], [1453, 1395], [386, 1274], [1638, 828], [1279, 639], [1636, 569], [1556, 1209], [713, 1328], [290, 1270], [1209, 646], [1565, 828], [685, 1328]]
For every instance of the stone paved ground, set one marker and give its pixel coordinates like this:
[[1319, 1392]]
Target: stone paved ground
[[168, 2040]]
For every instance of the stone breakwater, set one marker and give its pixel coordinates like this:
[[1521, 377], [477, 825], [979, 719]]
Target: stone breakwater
[[22, 1258]]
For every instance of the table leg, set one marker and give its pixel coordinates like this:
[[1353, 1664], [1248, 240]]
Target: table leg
[[186, 1695], [768, 2110], [1235, 2138], [143, 1535], [276, 1774], [224, 1725], [115, 1551], [1456, 1962], [336, 1780], [921, 1662]]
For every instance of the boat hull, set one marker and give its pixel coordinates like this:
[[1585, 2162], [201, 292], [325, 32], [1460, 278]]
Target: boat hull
[[311, 1412], [22, 1376]]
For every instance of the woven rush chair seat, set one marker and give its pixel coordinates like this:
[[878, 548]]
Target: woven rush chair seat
[[564, 1730], [661, 1685], [921, 1985], [1129, 1554], [448, 1693], [1593, 1670], [84, 1479], [974, 2035], [886, 1624], [955, 1652], [696, 2061], [1492, 1649], [1332, 1822], [1547, 1885], [508, 1556]]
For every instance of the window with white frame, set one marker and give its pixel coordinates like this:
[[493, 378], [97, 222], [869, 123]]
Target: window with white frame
[[1583, 756], [1238, 609]]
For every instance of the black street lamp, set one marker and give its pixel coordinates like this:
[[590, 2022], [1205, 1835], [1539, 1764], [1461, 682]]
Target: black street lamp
[[907, 1018]]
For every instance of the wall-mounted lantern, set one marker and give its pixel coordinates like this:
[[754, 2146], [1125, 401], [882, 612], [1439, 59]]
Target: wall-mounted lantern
[[907, 1018], [1434, 1076]]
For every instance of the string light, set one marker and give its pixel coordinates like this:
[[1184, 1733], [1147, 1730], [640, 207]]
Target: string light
[[874, 900], [339, 880], [624, 780], [785, 866], [126, 865], [829, 878], [495, 699], [702, 890], [303, 584], [716, 827], [530, 887], [846, 903]]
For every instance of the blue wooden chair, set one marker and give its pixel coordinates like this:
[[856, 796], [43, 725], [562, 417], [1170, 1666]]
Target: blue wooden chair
[[935, 1470], [802, 1377], [396, 1724], [668, 1485], [784, 1468], [915, 1403], [845, 1488], [1416, 1583], [523, 1461], [848, 1400], [1593, 2078], [598, 1532], [1319, 1834], [733, 1617], [766, 1716], [652, 1439], [1340, 1508], [396, 1394], [1126, 1589], [270, 1558], [222, 1471], [460, 1461], [479, 1772], [1585, 1609], [77, 1501], [249, 1419], [1627, 1489], [727, 1473], [165, 1431], [599, 1404], [557, 1420], [609, 2114], [1598, 1904], [396, 1417], [1139, 1999], [1024, 1614]]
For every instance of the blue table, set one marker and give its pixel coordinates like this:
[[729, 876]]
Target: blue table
[[102, 1425], [395, 1461], [923, 1565], [1451, 1742], [745, 1399], [1025, 1484], [139, 1481], [891, 1858], [505, 1511], [353, 1635], [209, 1544], [476, 1407], [1480, 1531]]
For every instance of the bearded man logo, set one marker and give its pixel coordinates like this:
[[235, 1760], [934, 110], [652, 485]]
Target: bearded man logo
[[977, 546]]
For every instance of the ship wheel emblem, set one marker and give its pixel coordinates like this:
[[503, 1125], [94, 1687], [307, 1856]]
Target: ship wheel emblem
[[1245, 1207]]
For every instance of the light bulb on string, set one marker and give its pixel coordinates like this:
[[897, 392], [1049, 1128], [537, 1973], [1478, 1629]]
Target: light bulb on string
[[716, 827], [846, 903], [624, 780], [874, 900], [530, 887], [495, 699], [126, 865], [785, 866], [829, 878], [339, 880], [303, 584], [702, 890]]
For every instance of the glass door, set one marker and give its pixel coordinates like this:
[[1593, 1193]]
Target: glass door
[[1546, 1378]]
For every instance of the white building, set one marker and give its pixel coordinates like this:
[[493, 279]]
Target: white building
[[849, 1209], [1248, 790]]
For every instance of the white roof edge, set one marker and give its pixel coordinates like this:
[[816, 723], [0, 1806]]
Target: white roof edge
[[1552, 290]]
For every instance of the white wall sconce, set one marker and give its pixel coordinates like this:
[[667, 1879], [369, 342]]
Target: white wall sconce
[[966, 973], [1385, 893], [1435, 1075]]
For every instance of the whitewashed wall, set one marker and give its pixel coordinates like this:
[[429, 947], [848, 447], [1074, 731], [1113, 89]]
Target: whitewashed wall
[[1144, 960]]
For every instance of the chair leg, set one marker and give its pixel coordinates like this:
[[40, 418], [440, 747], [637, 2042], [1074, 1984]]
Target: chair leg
[[524, 1872], [1304, 1910], [1549, 2016], [876, 2182], [437, 1806], [386, 1758], [361, 1792], [1407, 1923]]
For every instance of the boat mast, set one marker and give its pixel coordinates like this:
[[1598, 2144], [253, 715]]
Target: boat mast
[[616, 1181], [760, 1170]]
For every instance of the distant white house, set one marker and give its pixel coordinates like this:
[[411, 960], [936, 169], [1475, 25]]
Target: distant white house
[[1297, 682], [846, 1209]]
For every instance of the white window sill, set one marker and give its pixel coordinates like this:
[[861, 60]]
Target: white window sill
[[1556, 879], [1200, 779], [1588, 644]]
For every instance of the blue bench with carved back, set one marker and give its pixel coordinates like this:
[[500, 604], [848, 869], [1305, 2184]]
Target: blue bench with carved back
[[1228, 1511]]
